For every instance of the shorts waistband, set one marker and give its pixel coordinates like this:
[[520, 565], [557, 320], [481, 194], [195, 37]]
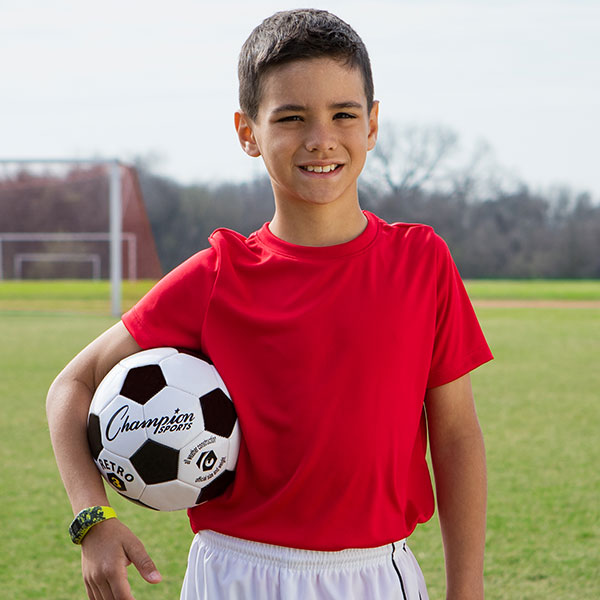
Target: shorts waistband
[[296, 558]]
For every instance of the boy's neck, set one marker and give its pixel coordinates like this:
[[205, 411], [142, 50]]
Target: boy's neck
[[319, 226]]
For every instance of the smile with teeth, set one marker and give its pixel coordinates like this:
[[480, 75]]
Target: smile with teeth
[[320, 169]]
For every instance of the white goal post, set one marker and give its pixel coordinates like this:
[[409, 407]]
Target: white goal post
[[115, 216]]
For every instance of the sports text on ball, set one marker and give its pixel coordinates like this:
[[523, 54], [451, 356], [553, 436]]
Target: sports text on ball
[[120, 423]]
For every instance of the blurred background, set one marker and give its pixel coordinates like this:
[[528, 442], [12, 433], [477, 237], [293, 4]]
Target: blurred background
[[489, 132], [489, 120]]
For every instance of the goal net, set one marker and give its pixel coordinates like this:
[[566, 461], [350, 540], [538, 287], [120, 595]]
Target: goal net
[[74, 220]]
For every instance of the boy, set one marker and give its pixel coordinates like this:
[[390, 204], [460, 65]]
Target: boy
[[333, 331]]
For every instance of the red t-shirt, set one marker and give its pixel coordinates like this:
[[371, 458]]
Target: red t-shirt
[[327, 352]]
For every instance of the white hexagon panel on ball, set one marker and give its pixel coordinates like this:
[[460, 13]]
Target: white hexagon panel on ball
[[171, 495], [176, 417], [203, 459], [190, 374]]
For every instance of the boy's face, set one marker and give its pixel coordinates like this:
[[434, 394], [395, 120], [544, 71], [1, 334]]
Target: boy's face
[[312, 130]]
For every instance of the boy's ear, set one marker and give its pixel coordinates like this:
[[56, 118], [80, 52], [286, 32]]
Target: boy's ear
[[373, 126], [243, 127]]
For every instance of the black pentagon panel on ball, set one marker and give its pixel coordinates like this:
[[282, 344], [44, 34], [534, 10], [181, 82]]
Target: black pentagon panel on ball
[[142, 383], [155, 463], [219, 413], [94, 436], [216, 487]]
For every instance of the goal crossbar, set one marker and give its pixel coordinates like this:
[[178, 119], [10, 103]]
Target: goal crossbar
[[129, 238], [23, 257]]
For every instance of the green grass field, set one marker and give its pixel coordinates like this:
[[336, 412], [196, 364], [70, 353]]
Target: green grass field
[[538, 406], [534, 289]]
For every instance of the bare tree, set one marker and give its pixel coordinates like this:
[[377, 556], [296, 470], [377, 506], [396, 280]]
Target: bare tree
[[429, 158], [411, 157]]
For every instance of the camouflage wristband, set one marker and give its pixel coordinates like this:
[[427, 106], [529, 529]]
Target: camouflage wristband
[[87, 518]]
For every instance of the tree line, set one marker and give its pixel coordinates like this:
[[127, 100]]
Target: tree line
[[495, 225]]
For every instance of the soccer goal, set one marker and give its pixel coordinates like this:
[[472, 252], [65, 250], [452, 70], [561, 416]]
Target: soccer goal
[[76, 219]]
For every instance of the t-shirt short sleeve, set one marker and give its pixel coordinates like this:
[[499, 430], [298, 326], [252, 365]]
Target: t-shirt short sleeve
[[459, 345], [172, 313]]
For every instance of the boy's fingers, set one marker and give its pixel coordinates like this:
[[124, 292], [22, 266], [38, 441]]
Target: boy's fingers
[[101, 592], [119, 589], [110, 588], [105, 592], [98, 589], [91, 594], [143, 563], [107, 550]]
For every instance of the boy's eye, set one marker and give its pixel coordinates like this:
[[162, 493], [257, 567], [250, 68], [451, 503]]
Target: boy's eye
[[344, 115], [289, 118]]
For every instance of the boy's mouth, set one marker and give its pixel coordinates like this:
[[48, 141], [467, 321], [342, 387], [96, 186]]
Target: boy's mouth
[[320, 168]]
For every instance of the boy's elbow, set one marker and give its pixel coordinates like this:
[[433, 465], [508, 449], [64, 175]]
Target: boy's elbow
[[69, 388]]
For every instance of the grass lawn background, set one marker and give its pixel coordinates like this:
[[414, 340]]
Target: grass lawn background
[[537, 402]]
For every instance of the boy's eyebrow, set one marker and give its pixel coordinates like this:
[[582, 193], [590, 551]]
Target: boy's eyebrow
[[349, 104], [300, 107], [288, 108]]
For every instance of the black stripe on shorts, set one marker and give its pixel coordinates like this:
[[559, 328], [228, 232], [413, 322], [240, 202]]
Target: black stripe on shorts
[[398, 572]]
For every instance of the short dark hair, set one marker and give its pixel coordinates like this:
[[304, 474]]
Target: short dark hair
[[298, 34]]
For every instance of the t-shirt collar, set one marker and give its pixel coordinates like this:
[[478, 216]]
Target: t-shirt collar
[[359, 243]]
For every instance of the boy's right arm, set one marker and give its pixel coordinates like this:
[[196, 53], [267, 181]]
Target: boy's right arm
[[109, 547]]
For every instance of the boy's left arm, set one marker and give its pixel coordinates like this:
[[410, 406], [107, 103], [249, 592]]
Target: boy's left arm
[[458, 457]]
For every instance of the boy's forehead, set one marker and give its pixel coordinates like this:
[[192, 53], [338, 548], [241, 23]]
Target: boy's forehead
[[303, 81]]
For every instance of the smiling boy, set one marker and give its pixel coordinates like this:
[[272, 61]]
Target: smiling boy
[[343, 341], [313, 130]]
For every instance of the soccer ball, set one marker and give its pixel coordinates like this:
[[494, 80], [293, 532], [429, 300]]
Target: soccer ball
[[163, 430]]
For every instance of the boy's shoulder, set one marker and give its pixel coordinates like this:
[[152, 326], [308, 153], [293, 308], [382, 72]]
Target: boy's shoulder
[[223, 234], [418, 234], [225, 241], [403, 228]]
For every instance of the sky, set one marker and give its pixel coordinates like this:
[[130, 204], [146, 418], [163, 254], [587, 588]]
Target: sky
[[158, 80]]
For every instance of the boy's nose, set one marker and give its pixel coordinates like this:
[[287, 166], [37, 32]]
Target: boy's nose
[[320, 138]]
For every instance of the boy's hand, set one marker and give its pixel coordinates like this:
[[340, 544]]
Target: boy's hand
[[106, 552]]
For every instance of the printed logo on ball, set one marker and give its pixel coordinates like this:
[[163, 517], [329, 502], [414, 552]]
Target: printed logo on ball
[[116, 481], [207, 460], [207, 442], [119, 423]]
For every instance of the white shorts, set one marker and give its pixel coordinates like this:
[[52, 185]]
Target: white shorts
[[221, 567]]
